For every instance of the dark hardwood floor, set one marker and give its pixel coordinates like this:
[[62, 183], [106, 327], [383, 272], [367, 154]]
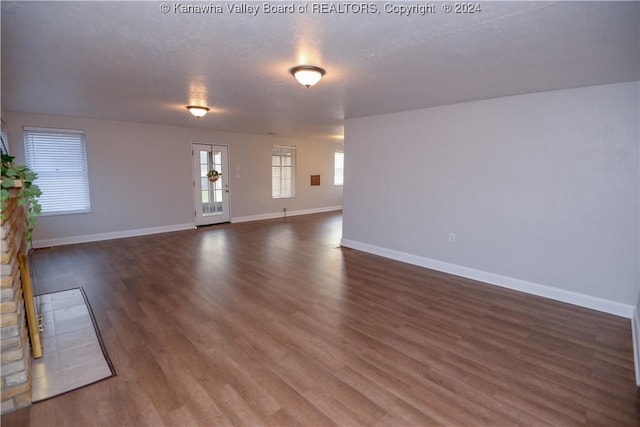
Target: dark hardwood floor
[[271, 323]]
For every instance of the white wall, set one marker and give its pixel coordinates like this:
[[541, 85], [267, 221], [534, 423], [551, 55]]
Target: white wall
[[541, 189], [140, 175]]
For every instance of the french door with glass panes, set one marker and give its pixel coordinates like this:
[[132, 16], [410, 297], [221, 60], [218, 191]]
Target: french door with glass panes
[[211, 197]]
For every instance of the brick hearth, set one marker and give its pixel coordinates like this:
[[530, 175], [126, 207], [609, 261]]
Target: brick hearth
[[15, 348]]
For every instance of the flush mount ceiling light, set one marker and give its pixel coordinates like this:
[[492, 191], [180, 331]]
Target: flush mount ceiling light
[[197, 111], [307, 75]]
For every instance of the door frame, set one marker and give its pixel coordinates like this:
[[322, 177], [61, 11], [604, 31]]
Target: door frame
[[226, 175]]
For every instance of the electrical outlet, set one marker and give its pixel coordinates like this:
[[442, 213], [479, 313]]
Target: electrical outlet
[[452, 237]]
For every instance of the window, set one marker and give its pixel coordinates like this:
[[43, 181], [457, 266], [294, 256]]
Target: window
[[338, 169], [3, 135], [59, 158], [283, 172]]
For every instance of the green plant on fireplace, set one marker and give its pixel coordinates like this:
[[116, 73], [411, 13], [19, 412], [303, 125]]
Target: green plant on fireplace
[[28, 195]]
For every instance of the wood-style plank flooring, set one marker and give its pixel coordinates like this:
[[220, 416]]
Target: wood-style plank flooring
[[271, 323]]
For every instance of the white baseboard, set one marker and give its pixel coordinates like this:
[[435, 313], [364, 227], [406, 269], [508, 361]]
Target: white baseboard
[[46, 243], [108, 236], [281, 214], [582, 300], [635, 329]]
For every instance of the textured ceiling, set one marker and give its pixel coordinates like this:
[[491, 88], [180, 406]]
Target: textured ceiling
[[130, 61]]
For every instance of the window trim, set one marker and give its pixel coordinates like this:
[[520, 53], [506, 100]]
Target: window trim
[[293, 148]]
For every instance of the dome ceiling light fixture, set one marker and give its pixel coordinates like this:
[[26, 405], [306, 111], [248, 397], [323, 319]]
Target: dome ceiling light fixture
[[197, 110], [307, 75]]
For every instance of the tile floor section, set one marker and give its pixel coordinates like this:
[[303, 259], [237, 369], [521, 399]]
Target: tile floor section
[[72, 356]]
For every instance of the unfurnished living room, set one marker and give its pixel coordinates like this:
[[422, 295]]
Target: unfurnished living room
[[289, 213]]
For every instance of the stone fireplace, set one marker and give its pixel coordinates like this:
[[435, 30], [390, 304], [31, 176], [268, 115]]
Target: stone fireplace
[[15, 348]]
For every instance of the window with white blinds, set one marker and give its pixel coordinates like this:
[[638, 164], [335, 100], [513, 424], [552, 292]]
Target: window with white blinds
[[338, 168], [283, 172], [59, 158]]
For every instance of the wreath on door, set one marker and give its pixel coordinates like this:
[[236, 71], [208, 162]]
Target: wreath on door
[[213, 175]]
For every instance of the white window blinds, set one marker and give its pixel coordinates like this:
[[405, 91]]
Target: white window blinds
[[283, 172], [338, 169], [59, 158]]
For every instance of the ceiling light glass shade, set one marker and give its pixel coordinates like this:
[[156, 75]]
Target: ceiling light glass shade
[[197, 111], [307, 75]]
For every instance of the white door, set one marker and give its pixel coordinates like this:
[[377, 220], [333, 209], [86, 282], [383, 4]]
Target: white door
[[211, 197]]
